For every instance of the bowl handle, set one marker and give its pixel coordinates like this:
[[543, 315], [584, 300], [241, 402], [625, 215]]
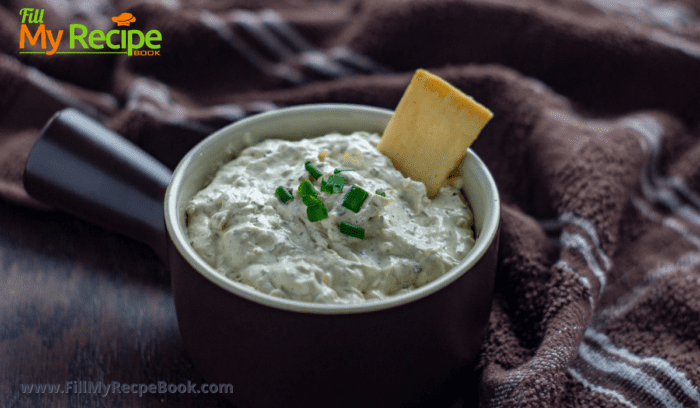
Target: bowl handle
[[79, 166]]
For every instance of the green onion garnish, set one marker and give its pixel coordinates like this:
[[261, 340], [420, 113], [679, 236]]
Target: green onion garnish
[[317, 212], [352, 230], [311, 201], [308, 193], [315, 173], [334, 185], [354, 198], [283, 194], [380, 192], [336, 171]]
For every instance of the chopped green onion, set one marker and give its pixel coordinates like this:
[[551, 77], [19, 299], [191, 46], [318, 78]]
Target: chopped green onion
[[311, 201], [308, 193], [354, 198], [336, 171], [334, 185], [380, 192], [315, 173], [352, 230], [283, 194], [306, 189], [317, 212]]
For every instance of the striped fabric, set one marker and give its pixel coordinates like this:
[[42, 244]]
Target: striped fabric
[[595, 146]]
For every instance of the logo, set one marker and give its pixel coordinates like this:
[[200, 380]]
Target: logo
[[124, 19], [84, 41]]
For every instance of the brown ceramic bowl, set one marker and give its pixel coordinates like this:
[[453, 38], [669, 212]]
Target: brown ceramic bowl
[[277, 352]]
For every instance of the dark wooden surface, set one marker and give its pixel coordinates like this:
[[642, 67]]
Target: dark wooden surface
[[79, 303]]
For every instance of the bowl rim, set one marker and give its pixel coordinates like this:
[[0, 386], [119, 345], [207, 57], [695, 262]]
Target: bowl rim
[[180, 238]]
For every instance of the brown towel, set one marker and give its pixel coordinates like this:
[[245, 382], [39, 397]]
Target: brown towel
[[595, 146]]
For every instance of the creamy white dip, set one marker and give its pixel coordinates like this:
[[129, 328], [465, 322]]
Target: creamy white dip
[[245, 232]]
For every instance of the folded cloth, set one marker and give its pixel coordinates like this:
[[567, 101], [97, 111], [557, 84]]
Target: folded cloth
[[595, 146]]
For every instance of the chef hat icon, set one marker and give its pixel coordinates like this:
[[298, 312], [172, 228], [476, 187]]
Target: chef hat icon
[[124, 19]]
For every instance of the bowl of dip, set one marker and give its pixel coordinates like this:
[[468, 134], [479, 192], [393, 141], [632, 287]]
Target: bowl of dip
[[386, 351]]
